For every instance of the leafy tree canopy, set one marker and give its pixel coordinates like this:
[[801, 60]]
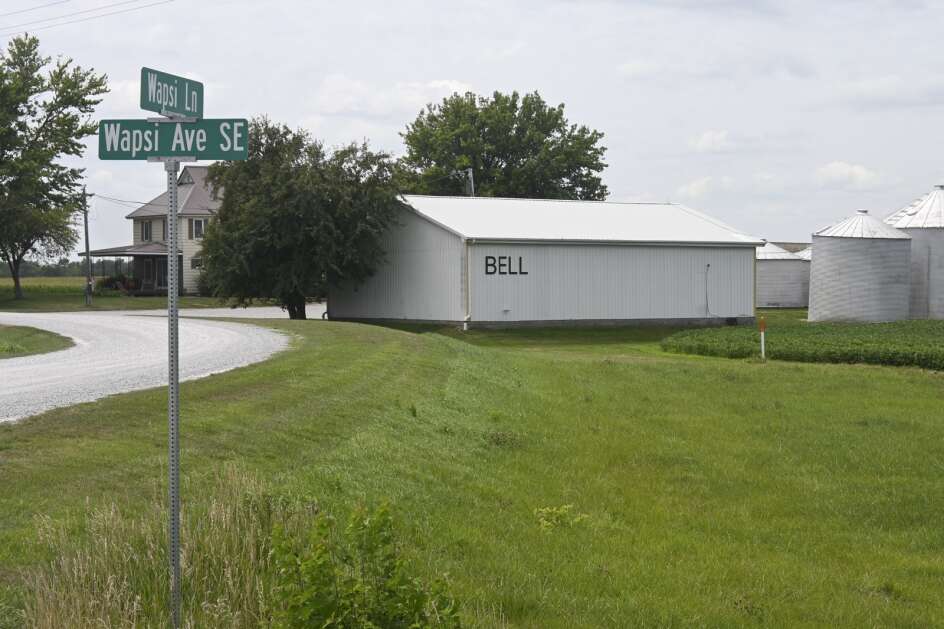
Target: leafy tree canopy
[[45, 111], [516, 147], [295, 219]]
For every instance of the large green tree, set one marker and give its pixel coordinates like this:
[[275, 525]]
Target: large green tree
[[295, 219], [45, 112], [516, 146]]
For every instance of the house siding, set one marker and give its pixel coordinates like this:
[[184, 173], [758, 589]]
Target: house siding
[[190, 248]]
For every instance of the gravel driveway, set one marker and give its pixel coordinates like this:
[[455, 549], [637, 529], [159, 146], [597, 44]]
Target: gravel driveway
[[116, 352]]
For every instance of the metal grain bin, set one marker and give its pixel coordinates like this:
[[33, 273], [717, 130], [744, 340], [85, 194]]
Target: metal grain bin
[[860, 271], [783, 278], [923, 220]]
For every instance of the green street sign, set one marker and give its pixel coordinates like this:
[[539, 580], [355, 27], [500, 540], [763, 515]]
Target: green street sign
[[224, 139], [171, 95]]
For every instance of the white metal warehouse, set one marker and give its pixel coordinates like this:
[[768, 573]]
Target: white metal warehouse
[[783, 278], [923, 220], [498, 262], [860, 271]]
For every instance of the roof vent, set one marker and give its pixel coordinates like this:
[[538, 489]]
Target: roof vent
[[862, 211], [940, 186]]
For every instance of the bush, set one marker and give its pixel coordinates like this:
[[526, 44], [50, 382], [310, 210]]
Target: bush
[[902, 343], [235, 565], [354, 580]]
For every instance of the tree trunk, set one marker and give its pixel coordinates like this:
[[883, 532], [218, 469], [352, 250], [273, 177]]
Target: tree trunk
[[296, 307], [15, 273]]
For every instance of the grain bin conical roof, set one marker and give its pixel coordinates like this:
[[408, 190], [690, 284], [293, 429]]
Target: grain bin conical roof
[[861, 225], [925, 211]]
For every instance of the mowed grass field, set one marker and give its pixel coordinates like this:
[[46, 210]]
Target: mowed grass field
[[716, 492], [16, 340], [55, 294]]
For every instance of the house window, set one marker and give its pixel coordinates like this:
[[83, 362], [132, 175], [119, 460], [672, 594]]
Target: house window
[[145, 230], [197, 226], [164, 229], [196, 263]]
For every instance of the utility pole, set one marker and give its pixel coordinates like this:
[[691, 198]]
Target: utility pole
[[88, 258], [471, 181]]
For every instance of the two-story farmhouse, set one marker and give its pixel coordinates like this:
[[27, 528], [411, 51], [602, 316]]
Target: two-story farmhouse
[[148, 249]]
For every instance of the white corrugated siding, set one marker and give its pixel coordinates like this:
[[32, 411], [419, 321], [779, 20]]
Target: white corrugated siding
[[927, 272], [860, 279], [422, 278], [783, 283], [612, 282]]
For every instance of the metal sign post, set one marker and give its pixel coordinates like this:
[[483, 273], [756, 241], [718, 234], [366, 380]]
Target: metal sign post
[[172, 166], [182, 136], [173, 417]]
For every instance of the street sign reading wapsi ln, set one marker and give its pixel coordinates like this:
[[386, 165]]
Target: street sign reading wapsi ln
[[225, 139], [171, 95]]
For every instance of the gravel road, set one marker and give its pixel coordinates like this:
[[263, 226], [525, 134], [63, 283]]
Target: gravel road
[[116, 352]]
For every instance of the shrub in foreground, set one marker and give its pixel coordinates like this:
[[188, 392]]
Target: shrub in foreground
[[355, 579], [242, 562]]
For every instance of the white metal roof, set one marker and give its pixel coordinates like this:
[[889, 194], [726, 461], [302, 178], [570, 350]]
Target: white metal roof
[[861, 225], [926, 211], [770, 251], [805, 254], [500, 219]]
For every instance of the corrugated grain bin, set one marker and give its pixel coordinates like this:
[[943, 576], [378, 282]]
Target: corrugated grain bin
[[860, 271], [923, 220], [783, 278]]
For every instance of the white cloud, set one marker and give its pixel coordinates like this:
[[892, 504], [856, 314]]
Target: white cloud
[[712, 142], [704, 186], [894, 91], [640, 69], [846, 176], [341, 95]]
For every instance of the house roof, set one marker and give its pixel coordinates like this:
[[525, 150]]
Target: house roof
[[861, 225], [130, 251], [193, 196], [500, 219], [770, 251], [925, 211]]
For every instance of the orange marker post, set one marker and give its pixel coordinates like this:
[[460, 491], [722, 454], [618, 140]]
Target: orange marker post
[[762, 326]]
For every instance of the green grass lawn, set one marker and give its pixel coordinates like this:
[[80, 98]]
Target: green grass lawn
[[717, 493], [918, 343], [55, 294], [16, 340]]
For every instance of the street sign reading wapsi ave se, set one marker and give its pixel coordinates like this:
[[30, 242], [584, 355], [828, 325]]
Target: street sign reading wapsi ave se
[[171, 95], [180, 135], [209, 139]]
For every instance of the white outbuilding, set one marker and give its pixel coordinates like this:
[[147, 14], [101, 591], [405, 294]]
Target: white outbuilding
[[783, 278], [495, 262], [860, 271], [923, 220]]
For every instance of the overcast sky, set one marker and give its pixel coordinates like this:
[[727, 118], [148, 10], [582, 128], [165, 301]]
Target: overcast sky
[[776, 117]]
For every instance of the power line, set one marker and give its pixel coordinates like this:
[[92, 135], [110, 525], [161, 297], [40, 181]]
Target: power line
[[42, 6], [93, 17], [74, 13], [128, 202]]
